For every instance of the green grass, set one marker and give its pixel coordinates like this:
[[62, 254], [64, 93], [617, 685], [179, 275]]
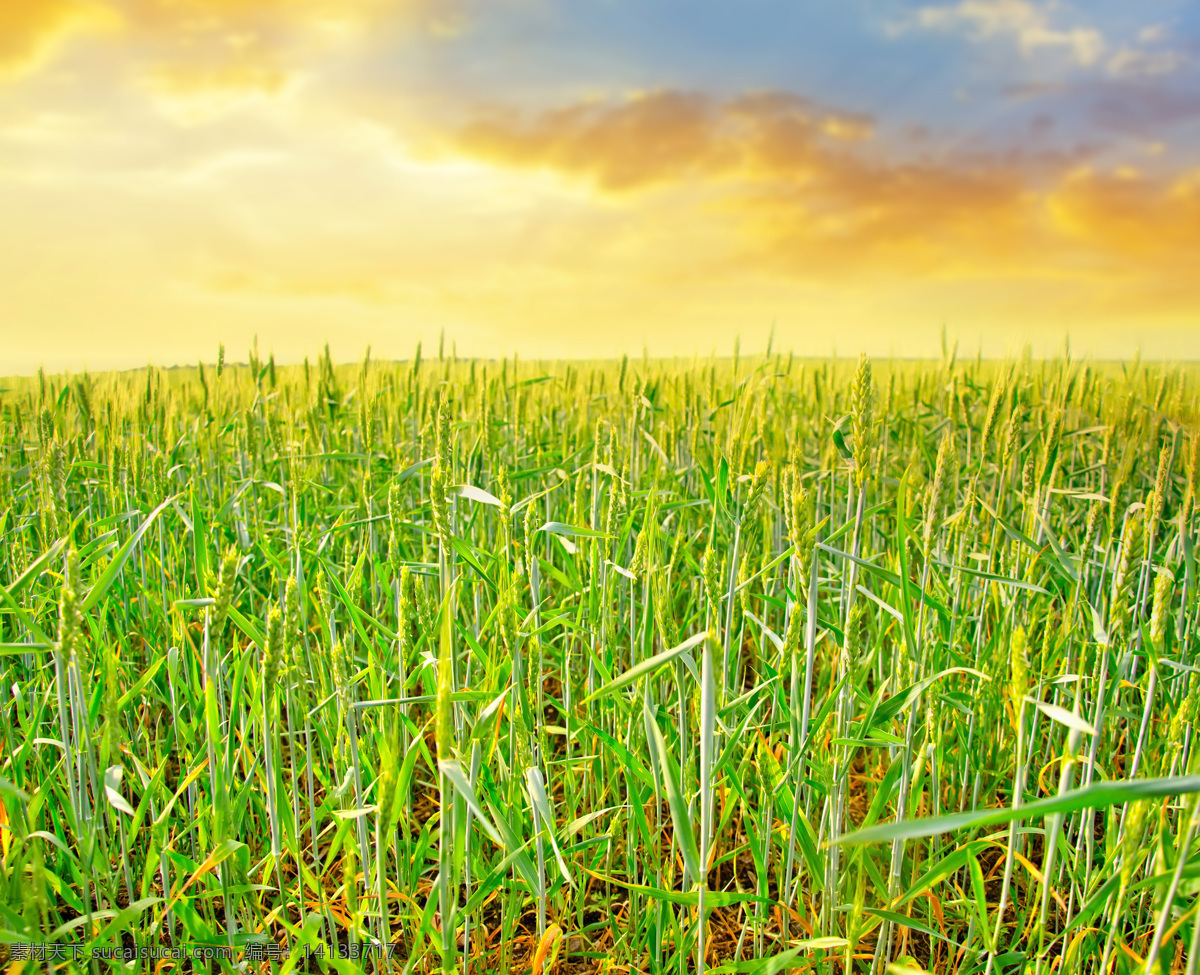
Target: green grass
[[751, 665]]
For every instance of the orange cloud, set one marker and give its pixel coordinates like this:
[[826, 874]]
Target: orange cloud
[[648, 139], [1123, 215], [657, 137], [816, 195]]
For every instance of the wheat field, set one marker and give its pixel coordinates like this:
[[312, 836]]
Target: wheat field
[[741, 664]]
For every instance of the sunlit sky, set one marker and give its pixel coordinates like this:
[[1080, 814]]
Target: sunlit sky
[[590, 177]]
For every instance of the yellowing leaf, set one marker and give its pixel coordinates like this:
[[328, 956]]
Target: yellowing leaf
[[548, 943]]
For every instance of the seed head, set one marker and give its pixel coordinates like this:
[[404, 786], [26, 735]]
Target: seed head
[[1011, 438], [56, 470], [599, 441], [862, 405], [424, 604], [993, 412], [856, 629], [1162, 476], [758, 486], [579, 508], [1164, 583], [45, 427], [273, 653], [1184, 714], [799, 514], [1135, 828], [291, 611], [439, 482], [1115, 493], [795, 628], [1156, 502], [223, 593], [1131, 542], [159, 474], [1095, 513], [1019, 683], [1029, 476], [616, 508], [503, 489], [714, 571], [938, 490], [1191, 479], [339, 664], [404, 613], [664, 615], [395, 503], [641, 551], [70, 617], [367, 423], [251, 426]]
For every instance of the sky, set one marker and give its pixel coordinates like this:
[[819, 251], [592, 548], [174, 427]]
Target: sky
[[568, 178]]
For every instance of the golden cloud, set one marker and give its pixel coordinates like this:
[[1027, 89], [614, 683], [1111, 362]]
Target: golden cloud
[[648, 139], [202, 47], [658, 137], [196, 43], [30, 29], [1125, 216], [223, 16], [184, 81], [815, 193]]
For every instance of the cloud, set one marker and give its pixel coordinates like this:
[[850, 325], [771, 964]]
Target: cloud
[[805, 201], [184, 81], [1141, 107], [1136, 217], [1148, 107], [1130, 62], [661, 136], [31, 29], [189, 45], [203, 15], [1153, 33], [1029, 26], [1026, 23], [281, 18]]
